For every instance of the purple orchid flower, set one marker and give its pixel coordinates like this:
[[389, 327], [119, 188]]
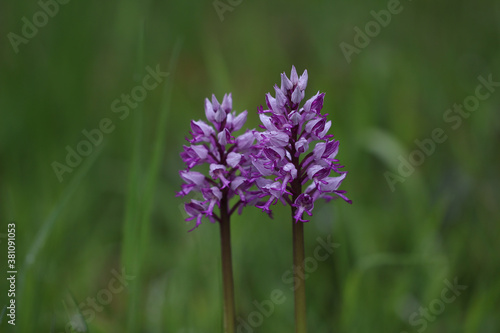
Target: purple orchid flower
[[295, 149], [225, 157]]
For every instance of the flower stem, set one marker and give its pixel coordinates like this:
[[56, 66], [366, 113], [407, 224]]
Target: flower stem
[[227, 266], [299, 283]]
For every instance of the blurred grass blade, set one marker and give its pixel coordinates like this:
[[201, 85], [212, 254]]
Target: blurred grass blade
[[75, 316], [133, 203], [2, 314], [44, 233], [48, 223], [160, 143], [134, 250], [134, 182]]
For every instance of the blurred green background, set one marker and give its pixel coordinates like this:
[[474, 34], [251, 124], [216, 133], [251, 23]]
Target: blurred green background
[[117, 209]]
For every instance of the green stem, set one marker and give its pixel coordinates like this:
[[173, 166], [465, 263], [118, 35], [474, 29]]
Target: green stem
[[227, 266], [299, 283]]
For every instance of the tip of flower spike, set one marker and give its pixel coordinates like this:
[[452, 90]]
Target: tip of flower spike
[[293, 76], [303, 81], [286, 84], [209, 111], [227, 102], [215, 103]]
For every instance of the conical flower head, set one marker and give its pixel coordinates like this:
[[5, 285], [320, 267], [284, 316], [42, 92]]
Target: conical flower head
[[223, 158], [296, 136]]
